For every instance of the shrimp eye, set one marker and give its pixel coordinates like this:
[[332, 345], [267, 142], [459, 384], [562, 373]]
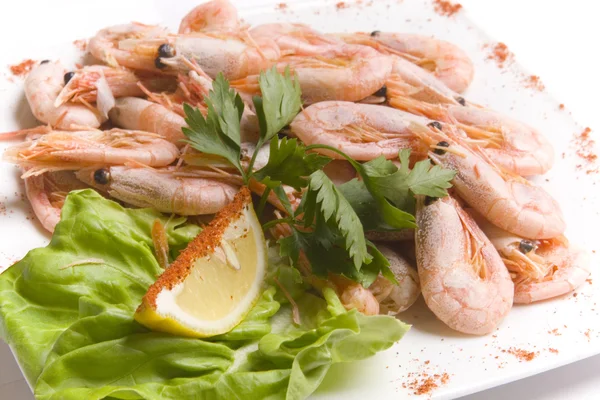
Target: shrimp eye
[[166, 51], [44, 61], [285, 132], [441, 152], [101, 176], [375, 33], [158, 64], [68, 76], [436, 125], [381, 92], [526, 246], [430, 200], [461, 101]]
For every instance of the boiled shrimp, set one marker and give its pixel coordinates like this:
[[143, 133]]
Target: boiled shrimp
[[297, 39], [152, 48], [82, 86], [447, 62], [134, 46], [394, 299], [355, 296], [216, 15], [44, 211], [463, 279], [46, 194], [510, 144], [139, 114], [340, 171], [362, 131], [58, 150], [540, 269], [168, 190], [193, 88], [235, 55], [42, 88], [342, 72], [506, 200]]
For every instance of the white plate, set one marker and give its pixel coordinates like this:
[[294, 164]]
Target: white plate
[[566, 325]]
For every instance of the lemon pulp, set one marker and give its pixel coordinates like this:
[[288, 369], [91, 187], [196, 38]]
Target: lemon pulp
[[214, 288], [215, 281]]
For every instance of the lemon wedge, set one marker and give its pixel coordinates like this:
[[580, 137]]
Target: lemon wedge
[[215, 281]]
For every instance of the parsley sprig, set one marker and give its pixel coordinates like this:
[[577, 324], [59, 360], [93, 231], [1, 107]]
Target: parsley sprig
[[328, 226]]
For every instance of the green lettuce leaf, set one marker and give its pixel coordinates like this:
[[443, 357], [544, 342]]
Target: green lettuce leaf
[[70, 323]]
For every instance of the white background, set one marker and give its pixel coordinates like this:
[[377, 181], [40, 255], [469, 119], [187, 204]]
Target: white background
[[556, 40]]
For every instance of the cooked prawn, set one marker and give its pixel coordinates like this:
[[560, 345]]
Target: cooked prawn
[[152, 48], [506, 200], [82, 86], [356, 296], [394, 299], [139, 114], [540, 269], [297, 39], [362, 131], [463, 279], [193, 88], [570, 269], [42, 87], [168, 190], [510, 144], [340, 171], [60, 151], [132, 45], [46, 194], [216, 15], [234, 55], [446, 61], [341, 72]]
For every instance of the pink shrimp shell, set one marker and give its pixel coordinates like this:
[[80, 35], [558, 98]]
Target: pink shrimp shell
[[46, 213], [572, 273], [450, 286]]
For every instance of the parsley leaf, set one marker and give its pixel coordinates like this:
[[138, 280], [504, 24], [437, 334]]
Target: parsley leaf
[[324, 198], [227, 105], [380, 264], [430, 181], [364, 205], [279, 104], [327, 254], [384, 199], [289, 164], [401, 186], [219, 132], [373, 174]]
